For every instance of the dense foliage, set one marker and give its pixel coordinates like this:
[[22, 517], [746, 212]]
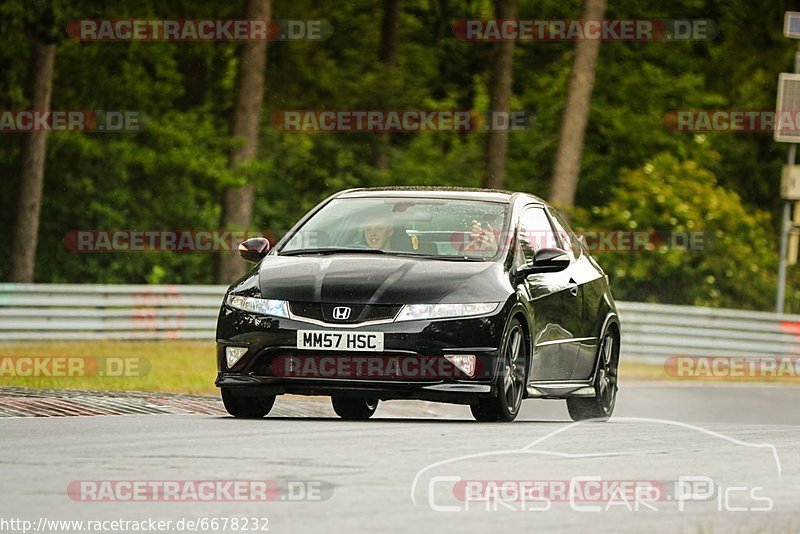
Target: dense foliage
[[636, 172]]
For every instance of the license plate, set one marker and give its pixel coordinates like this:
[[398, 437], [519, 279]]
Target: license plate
[[327, 340]]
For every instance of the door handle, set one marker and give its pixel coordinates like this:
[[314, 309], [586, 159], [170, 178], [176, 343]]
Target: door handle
[[573, 287]]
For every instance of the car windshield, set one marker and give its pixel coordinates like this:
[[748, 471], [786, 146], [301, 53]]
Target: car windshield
[[454, 229]]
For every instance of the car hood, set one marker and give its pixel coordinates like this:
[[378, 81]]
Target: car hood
[[367, 279]]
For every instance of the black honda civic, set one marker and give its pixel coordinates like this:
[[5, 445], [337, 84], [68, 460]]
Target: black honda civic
[[465, 296]]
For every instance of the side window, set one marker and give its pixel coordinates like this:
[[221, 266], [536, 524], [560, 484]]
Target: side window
[[569, 240], [535, 232]]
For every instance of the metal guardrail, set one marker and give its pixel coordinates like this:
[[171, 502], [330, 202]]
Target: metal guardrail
[[66, 311], [649, 331], [657, 331]]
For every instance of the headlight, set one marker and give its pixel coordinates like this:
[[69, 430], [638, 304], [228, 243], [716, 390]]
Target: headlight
[[416, 312], [277, 308]]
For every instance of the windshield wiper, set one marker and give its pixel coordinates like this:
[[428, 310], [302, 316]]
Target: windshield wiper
[[347, 250], [445, 257], [331, 250]]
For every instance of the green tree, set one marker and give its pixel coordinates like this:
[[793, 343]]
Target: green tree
[[735, 265]]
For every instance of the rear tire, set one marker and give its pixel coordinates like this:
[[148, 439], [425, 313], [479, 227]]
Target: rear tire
[[354, 409], [601, 406], [246, 407], [510, 382]]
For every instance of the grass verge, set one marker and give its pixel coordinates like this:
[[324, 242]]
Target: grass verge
[[168, 366]]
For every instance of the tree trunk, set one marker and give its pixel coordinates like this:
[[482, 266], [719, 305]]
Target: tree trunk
[[31, 178], [237, 208], [496, 148], [567, 166], [390, 27]]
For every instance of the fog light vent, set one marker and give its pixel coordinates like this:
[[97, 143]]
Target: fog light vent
[[234, 354], [464, 362]]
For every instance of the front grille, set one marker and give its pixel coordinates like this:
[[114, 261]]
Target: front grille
[[359, 313]]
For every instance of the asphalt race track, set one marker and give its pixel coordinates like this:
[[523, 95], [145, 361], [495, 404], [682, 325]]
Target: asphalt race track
[[676, 458]]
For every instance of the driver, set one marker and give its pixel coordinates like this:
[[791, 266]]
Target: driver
[[377, 231]]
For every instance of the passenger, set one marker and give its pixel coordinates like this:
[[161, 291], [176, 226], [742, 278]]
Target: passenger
[[482, 238]]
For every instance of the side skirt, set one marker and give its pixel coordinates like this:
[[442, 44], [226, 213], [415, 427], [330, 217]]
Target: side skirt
[[560, 390]]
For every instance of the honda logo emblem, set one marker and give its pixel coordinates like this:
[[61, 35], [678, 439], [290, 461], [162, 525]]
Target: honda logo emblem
[[341, 313]]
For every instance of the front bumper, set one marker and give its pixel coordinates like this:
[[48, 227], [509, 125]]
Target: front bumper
[[272, 341]]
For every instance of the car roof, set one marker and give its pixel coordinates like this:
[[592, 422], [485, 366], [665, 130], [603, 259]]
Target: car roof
[[463, 193]]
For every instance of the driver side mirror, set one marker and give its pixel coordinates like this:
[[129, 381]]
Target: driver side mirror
[[254, 249], [546, 260]]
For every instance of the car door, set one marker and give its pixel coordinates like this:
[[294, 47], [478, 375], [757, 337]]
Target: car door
[[588, 278], [555, 301]]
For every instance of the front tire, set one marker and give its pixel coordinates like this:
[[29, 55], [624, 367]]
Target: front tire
[[601, 406], [354, 409], [246, 407], [510, 380]]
